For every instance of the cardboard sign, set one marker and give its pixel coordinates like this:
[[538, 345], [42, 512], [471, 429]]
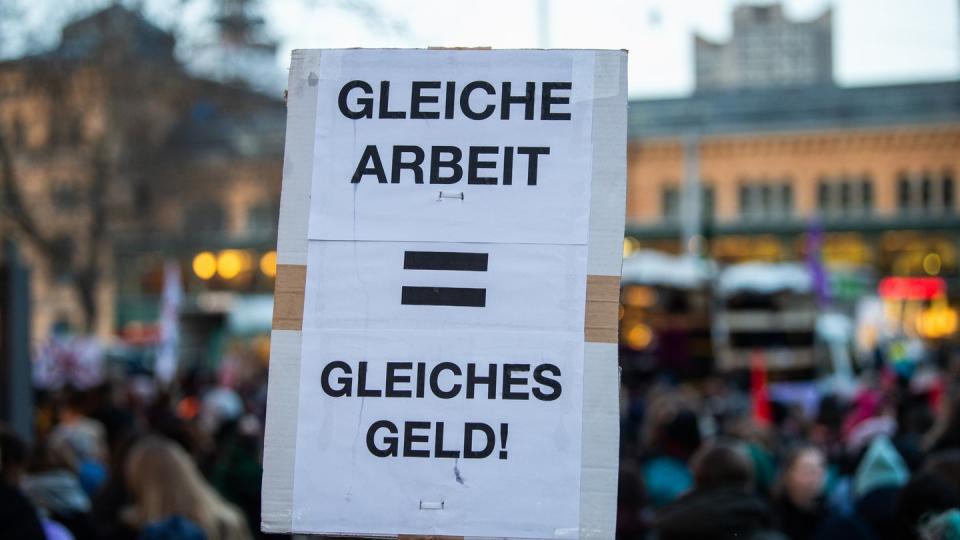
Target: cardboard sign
[[444, 353]]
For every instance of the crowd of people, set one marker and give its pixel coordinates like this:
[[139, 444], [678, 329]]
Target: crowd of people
[[132, 459], [719, 459], [700, 459]]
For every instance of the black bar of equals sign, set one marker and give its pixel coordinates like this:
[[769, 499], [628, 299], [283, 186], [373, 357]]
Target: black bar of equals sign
[[444, 296]]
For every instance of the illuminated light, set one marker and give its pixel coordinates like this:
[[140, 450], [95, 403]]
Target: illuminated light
[[630, 246], [205, 265], [643, 297], [268, 264], [931, 264], [937, 322], [911, 288], [229, 263], [639, 336], [621, 312]]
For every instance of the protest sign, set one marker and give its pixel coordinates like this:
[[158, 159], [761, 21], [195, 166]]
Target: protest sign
[[444, 358]]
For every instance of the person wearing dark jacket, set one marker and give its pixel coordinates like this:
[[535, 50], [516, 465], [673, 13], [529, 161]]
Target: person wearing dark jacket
[[18, 518], [721, 504], [798, 497], [877, 483]]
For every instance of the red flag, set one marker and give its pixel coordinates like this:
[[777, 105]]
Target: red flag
[[759, 396]]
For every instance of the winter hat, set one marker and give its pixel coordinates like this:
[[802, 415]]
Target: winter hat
[[880, 467]]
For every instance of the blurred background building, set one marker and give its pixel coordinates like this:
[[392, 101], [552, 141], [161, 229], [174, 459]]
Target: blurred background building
[[118, 162], [770, 162], [766, 50], [765, 210]]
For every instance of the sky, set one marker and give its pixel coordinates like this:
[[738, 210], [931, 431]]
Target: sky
[[875, 41]]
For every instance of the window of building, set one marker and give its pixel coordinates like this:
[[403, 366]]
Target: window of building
[[845, 198], [66, 197], [786, 197], [261, 218], [670, 203], [866, 194], [709, 202], [205, 217], [843, 195], [903, 192], [765, 199], [926, 191], [823, 194], [19, 132], [947, 193], [671, 198]]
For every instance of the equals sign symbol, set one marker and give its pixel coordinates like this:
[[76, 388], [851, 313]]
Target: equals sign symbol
[[444, 296]]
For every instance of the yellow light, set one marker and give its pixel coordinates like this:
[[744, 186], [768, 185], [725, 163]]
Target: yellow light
[[639, 336], [630, 245], [205, 265], [268, 264], [636, 296], [229, 263], [937, 322], [931, 264]]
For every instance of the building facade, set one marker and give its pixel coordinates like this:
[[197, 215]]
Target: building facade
[[118, 162], [875, 167], [766, 50]]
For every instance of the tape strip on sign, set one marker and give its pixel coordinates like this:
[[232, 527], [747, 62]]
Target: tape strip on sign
[[603, 300], [288, 297]]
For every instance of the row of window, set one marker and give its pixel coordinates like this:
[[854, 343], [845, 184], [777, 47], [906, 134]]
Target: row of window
[[60, 131], [768, 199]]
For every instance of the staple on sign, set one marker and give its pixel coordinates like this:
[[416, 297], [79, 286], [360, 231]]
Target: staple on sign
[[450, 195], [431, 505]]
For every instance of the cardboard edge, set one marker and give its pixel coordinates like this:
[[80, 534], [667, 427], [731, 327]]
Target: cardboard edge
[[601, 407], [283, 387]]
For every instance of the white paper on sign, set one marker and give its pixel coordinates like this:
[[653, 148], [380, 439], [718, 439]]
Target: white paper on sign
[[529, 288], [528, 492], [400, 208]]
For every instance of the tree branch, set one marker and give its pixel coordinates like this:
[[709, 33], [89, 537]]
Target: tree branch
[[11, 201]]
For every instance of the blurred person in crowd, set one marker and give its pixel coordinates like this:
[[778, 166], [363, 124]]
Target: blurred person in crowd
[[631, 501], [114, 497], [798, 496], [876, 485], [18, 517], [52, 485], [83, 439], [722, 504], [666, 474], [925, 494], [943, 526], [171, 499], [945, 432], [110, 407], [235, 469]]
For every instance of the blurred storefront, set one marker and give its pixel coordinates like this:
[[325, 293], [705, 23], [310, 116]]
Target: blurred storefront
[[862, 180]]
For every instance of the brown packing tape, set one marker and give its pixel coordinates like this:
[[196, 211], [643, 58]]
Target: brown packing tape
[[601, 320], [288, 297]]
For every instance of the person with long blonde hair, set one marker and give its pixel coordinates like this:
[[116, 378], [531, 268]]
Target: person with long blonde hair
[[165, 483]]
